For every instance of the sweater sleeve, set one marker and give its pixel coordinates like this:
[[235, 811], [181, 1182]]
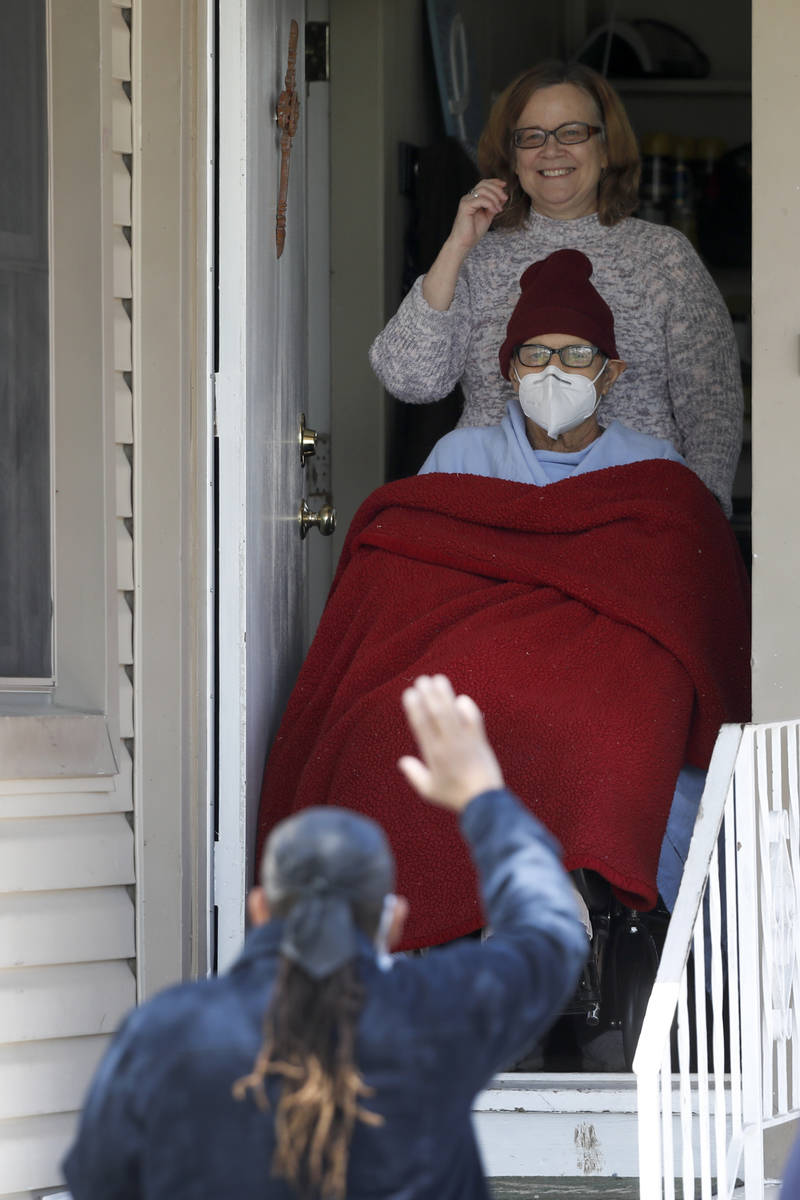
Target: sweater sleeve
[[704, 374], [512, 987], [523, 884], [419, 356]]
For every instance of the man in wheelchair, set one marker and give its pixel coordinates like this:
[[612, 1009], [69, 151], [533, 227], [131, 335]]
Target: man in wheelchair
[[551, 431], [579, 581]]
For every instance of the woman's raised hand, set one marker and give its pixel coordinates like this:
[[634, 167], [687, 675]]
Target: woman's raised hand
[[456, 761], [474, 215], [476, 211]]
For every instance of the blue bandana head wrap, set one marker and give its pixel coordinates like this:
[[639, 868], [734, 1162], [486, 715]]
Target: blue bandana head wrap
[[319, 866]]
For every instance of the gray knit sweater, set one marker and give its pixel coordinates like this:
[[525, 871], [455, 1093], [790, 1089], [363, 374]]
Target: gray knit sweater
[[672, 329]]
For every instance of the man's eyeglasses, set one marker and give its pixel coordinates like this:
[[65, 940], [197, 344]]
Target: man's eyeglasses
[[534, 354], [569, 134]]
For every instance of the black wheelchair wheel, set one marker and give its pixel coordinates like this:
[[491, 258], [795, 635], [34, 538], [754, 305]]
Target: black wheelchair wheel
[[635, 963]]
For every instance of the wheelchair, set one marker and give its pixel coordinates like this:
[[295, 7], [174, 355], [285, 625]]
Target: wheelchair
[[617, 979], [615, 983]]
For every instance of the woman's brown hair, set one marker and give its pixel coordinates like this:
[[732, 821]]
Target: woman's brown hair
[[309, 1042], [617, 190]]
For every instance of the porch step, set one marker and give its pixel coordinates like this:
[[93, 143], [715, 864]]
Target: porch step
[[568, 1189], [554, 1125], [544, 1136], [587, 1189]]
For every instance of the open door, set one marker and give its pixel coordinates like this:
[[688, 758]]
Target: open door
[[261, 392]]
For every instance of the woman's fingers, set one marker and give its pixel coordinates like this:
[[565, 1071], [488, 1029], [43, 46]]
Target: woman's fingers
[[489, 194], [476, 211]]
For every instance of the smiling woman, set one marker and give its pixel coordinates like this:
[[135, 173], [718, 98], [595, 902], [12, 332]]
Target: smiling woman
[[562, 176], [560, 170], [560, 179], [606, 161]]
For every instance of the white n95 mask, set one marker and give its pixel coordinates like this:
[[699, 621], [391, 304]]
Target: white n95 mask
[[557, 401]]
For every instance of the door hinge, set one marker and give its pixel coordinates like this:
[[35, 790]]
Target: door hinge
[[214, 409], [318, 51]]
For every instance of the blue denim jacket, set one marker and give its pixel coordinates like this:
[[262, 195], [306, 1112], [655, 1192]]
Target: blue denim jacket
[[160, 1122]]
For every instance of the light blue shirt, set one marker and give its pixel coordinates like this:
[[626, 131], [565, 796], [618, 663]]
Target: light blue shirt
[[504, 452]]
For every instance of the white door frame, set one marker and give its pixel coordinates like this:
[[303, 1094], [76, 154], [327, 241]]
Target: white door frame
[[230, 853], [171, 482]]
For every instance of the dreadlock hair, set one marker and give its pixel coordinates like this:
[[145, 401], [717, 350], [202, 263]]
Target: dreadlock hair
[[309, 1042]]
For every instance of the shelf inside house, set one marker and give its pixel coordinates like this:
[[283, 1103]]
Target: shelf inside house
[[682, 87]]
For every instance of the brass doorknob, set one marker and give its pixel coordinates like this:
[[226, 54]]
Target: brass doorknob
[[324, 520], [308, 441]]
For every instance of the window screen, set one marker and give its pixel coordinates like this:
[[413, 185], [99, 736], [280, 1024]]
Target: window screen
[[25, 522]]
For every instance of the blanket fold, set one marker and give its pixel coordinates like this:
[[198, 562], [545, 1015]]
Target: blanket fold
[[601, 624]]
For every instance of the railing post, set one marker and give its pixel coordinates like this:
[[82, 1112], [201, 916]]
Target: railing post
[[753, 784], [746, 806], [652, 1061], [649, 1130]]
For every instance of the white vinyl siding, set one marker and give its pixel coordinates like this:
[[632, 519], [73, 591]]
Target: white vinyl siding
[[65, 852], [32, 1149], [84, 925], [61, 1068], [92, 998], [67, 910], [66, 949], [106, 781]]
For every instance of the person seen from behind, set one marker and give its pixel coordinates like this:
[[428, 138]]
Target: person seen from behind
[[319, 1067]]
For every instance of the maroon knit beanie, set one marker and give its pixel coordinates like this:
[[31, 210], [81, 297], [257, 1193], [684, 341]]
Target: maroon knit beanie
[[557, 297]]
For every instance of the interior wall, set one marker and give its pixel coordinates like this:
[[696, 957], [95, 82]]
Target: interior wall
[[357, 416], [776, 364], [380, 96], [410, 116]]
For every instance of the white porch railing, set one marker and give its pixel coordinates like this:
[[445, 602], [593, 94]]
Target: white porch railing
[[718, 1059]]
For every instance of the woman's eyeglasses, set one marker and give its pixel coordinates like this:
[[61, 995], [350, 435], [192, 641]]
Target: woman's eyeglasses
[[569, 134]]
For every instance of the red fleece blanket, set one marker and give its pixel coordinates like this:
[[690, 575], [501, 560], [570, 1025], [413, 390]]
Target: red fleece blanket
[[601, 624]]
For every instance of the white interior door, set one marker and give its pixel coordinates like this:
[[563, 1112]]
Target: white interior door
[[261, 390]]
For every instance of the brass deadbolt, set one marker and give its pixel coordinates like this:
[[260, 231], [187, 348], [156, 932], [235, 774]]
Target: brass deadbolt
[[308, 441]]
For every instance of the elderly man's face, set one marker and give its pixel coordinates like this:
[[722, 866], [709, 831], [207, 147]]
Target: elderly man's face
[[600, 371]]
